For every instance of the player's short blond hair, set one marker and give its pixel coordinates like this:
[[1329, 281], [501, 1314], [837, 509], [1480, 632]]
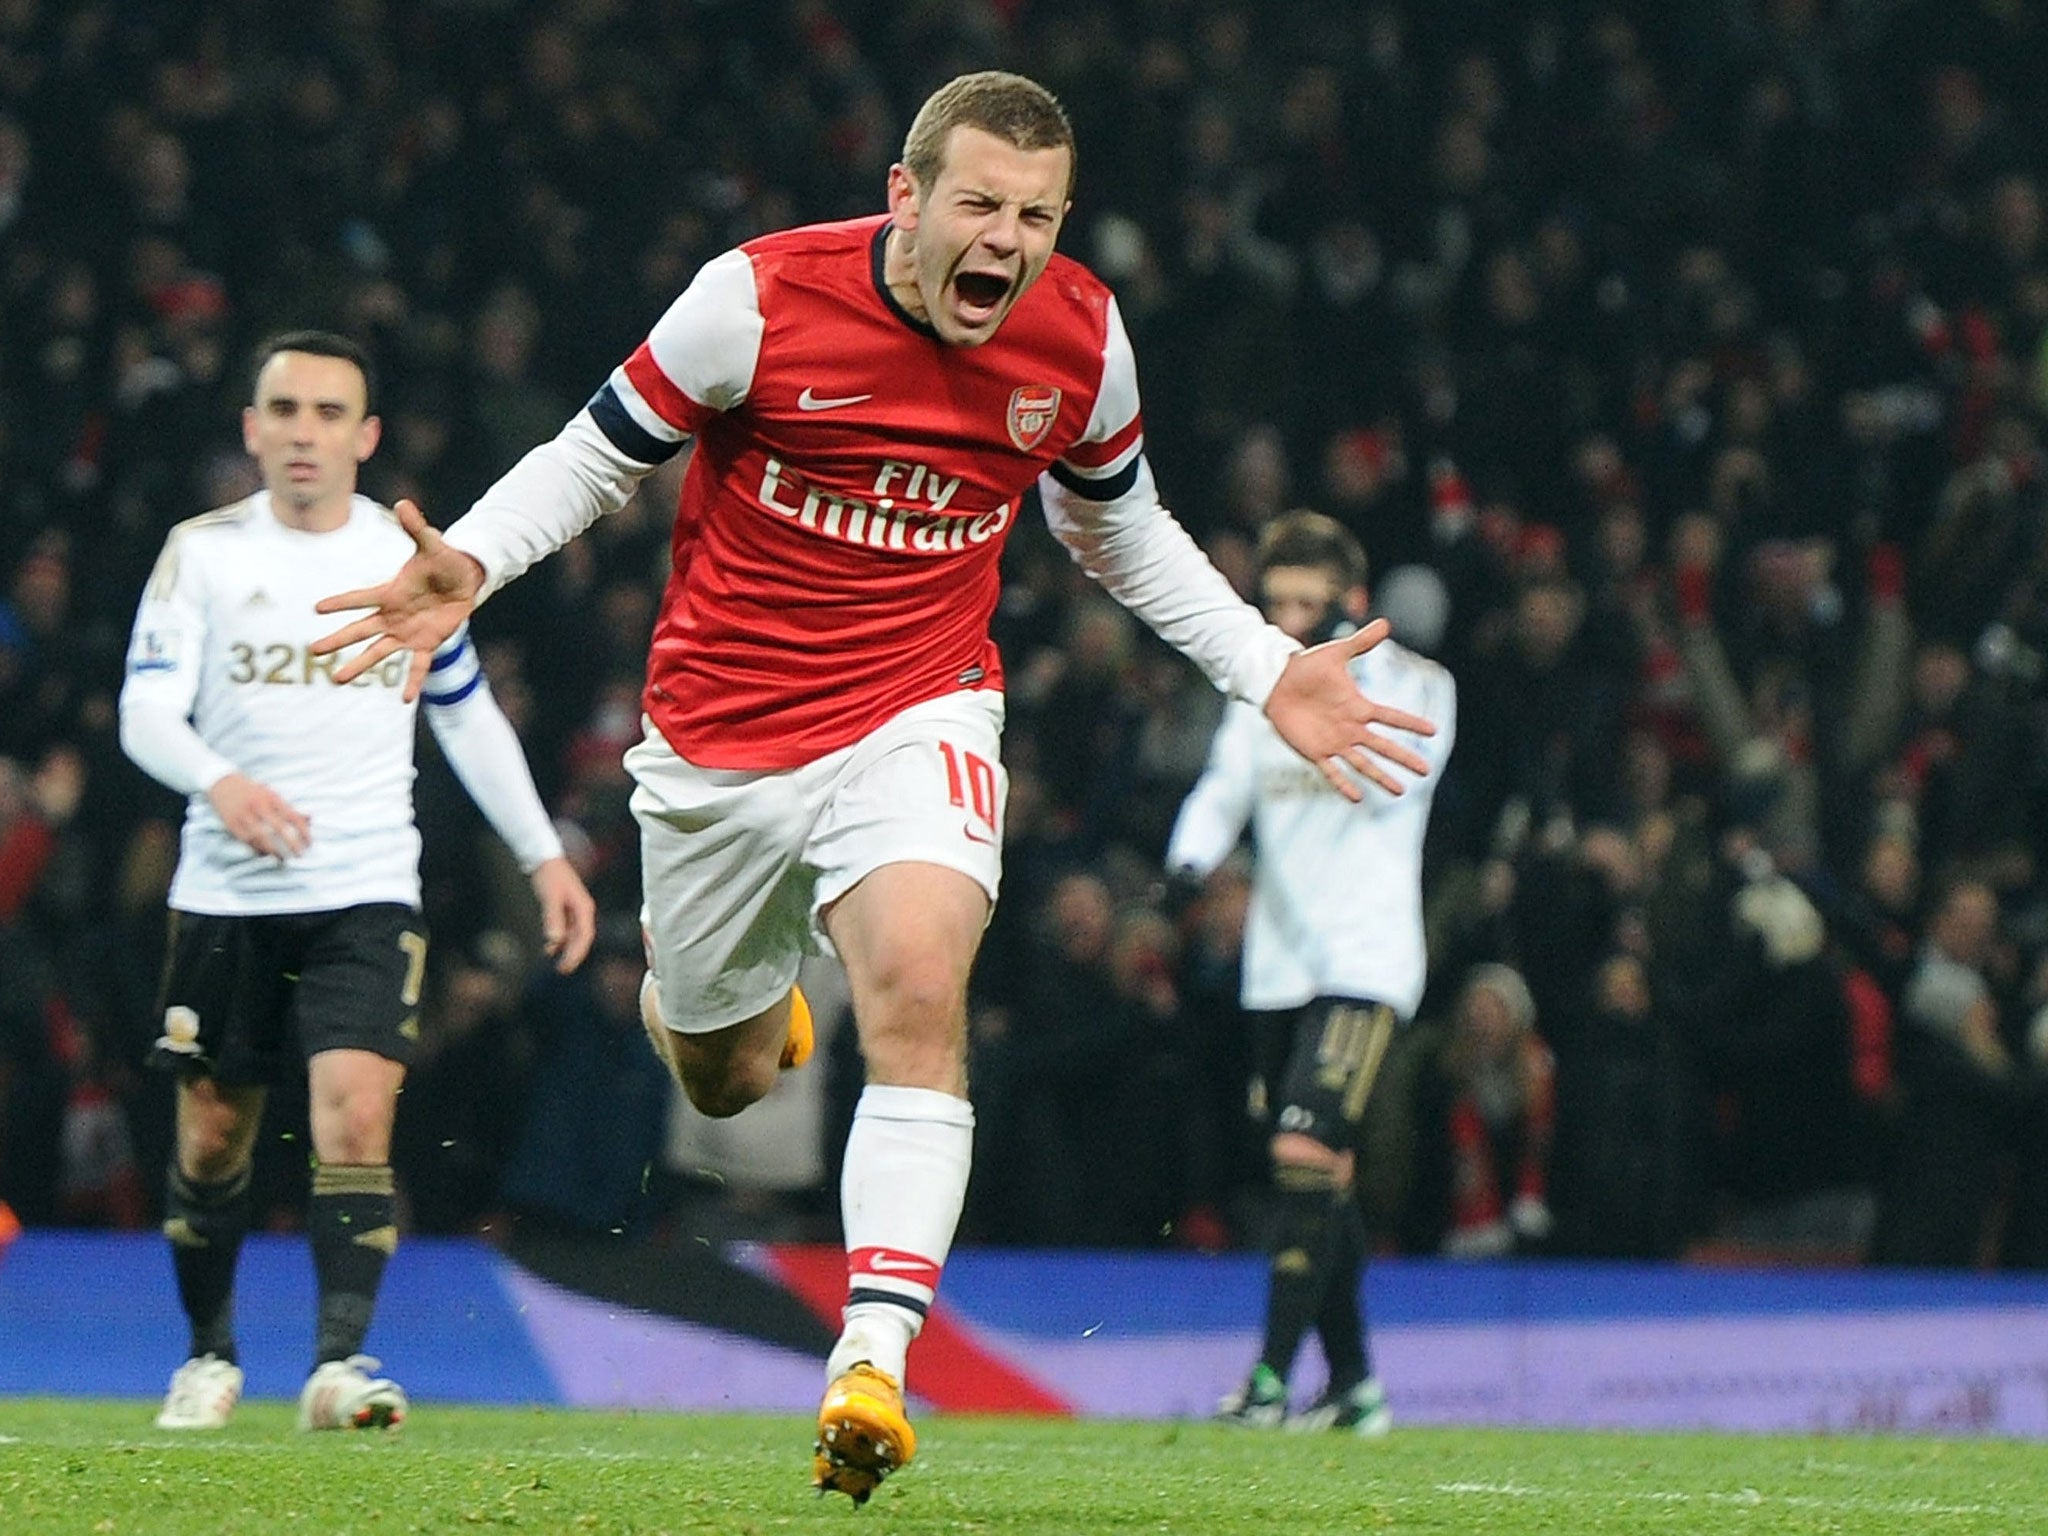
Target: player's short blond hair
[[1018, 111], [1305, 538]]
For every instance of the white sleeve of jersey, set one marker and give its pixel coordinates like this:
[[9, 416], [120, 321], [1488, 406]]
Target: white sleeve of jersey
[[1213, 816], [705, 346], [1110, 518], [484, 751], [166, 650]]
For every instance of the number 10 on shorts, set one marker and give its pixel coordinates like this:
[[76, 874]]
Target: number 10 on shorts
[[971, 785]]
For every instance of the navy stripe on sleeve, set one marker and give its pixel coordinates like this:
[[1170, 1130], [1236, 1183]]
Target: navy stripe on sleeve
[[1108, 488], [456, 695], [626, 434], [448, 658]]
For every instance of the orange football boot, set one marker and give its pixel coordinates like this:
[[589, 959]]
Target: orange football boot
[[803, 1039], [863, 1434]]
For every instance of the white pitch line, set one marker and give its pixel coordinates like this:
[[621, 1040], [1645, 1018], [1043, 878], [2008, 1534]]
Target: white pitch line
[[411, 1445], [1746, 1497]]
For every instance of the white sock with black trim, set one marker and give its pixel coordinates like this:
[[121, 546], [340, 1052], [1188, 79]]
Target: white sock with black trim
[[905, 1179]]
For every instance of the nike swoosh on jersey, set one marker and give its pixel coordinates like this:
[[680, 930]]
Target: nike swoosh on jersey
[[807, 401]]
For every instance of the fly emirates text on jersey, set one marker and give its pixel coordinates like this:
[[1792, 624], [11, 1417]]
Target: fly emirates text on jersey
[[909, 510]]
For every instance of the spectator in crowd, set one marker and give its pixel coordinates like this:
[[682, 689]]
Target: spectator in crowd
[[1050, 1060], [466, 1096], [1500, 1120], [1961, 1086], [2026, 1244], [43, 1054], [570, 1169], [1771, 1033]]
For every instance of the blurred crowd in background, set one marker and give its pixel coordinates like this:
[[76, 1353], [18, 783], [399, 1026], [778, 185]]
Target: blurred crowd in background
[[1682, 366]]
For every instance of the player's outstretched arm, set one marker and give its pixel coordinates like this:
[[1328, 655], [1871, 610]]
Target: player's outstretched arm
[[415, 610], [568, 915], [1317, 709]]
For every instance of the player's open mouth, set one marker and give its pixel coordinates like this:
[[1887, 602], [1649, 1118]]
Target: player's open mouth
[[980, 293]]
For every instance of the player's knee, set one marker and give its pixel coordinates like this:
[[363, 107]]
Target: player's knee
[[723, 1071], [208, 1156], [917, 991], [913, 1025], [212, 1148], [214, 1126], [357, 1129], [723, 1093]]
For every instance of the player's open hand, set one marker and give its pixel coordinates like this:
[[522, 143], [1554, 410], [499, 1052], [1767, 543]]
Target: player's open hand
[[1317, 709], [259, 816], [568, 916], [415, 610]]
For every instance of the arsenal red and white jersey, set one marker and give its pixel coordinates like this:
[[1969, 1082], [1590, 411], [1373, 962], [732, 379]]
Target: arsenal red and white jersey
[[853, 481]]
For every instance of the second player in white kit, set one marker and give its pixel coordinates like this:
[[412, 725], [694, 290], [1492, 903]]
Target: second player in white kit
[[294, 926], [1333, 960]]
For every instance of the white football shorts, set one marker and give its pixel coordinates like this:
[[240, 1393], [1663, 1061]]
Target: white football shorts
[[736, 866]]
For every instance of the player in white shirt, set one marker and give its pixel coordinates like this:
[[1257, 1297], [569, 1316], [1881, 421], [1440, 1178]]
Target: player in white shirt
[[295, 905], [1333, 960]]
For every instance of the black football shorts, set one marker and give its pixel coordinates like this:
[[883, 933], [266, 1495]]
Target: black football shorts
[[240, 993], [1324, 1058]]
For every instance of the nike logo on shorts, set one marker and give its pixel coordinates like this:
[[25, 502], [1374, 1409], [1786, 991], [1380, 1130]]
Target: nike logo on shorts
[[807, 401]]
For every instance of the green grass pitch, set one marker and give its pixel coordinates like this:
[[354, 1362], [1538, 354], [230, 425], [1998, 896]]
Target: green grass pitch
[[99, 1468]]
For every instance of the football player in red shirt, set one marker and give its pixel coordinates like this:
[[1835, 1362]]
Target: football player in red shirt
[[868, 403]]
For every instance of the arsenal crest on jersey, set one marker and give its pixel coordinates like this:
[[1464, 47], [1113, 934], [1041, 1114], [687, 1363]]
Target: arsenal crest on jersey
[[1033, 410]]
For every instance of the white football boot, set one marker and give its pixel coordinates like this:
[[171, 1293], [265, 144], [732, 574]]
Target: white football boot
[[1361, 1410], [204, 1391], [343, 1394]]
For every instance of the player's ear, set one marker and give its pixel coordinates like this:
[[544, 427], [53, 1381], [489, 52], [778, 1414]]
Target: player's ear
[[249, 430], [1356, 603], [902, 196], [368, 436]]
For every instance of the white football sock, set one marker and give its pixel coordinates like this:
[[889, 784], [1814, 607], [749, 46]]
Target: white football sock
[[905, 1179]]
